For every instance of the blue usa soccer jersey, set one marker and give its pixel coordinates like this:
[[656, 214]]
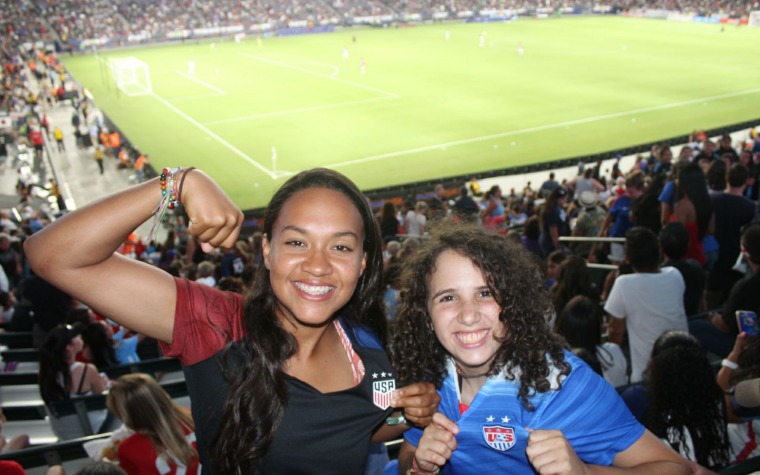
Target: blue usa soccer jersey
[[493, 432]]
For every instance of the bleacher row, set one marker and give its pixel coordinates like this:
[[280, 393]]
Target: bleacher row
[[22, 412], [25, 411]]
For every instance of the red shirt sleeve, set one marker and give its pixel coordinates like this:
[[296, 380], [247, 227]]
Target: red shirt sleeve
[[205, 320], [9, 467]]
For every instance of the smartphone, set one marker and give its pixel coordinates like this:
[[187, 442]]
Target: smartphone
[[747, 321]]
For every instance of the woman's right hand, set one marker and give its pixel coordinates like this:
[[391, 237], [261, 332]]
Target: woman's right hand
[[214, 218], [437, 444]]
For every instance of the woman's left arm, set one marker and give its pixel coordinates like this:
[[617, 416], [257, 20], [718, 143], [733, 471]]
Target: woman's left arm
[[551, 453], [418, 401]]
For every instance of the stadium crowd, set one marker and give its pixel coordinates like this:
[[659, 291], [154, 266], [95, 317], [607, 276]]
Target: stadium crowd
[[684, 223], [81, 24]]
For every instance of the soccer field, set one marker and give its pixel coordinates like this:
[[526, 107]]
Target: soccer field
[[427, 107]]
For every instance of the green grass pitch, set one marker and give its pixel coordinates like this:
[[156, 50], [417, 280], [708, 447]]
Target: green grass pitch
[[427, 107]]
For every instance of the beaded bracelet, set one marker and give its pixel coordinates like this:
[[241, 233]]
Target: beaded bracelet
[[169, 197]]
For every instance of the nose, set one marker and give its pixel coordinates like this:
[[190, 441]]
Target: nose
[[469, 313], [317, 262]]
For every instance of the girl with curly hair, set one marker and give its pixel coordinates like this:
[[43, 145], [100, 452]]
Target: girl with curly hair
[[473, 321], [680, 402], [299, 363]]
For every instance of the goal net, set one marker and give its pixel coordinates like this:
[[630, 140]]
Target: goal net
[[131, 76], [754, 18]]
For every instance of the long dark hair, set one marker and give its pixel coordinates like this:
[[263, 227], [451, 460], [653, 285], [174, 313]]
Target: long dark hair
[[574, 279], [101, 347], [529, 349], [684, 398], [258, 394], [580, 323], [54, 376], [550, 204], [691, 183]]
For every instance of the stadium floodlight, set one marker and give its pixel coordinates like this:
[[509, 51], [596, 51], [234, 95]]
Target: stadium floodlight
[[131, 76]]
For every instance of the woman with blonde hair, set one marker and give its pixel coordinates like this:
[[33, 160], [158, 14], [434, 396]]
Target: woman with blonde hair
[[164, 434]]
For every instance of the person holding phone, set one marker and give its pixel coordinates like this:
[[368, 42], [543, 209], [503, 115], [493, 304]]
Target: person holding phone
[[718, 332]]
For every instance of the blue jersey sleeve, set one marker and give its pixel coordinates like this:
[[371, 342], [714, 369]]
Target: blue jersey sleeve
[[590, 414]]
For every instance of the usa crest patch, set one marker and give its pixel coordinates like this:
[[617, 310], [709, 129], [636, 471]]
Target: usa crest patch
[[499, 438], [382, 389]]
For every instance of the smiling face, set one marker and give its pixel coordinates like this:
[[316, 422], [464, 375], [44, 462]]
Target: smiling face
[[464, 313], [315, 256]]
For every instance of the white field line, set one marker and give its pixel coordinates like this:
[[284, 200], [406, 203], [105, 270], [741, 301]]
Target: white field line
[[543, 127], [312, 73], [192, 98], [213, 135], [201, 82], [295, 111]]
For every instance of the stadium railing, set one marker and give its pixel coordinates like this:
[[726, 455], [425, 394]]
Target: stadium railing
[[52, 454], [151, 367]]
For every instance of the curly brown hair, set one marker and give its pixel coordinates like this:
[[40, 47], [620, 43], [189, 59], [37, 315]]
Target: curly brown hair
[[529, 350]]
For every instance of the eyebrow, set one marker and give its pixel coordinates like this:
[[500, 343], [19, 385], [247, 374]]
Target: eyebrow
[[441, 292], [292, 227]]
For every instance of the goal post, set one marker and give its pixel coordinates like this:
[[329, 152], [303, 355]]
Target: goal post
[[131, 76]]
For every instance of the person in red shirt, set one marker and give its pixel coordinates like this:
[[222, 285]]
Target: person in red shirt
[[164, 438]]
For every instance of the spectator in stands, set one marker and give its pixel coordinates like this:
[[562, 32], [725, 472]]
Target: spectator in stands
[[98, 345], [585, 182], [63, 378], [694, 209], [718, 333], [271, 370], [646, 211], [726, 149], [667, 195], [588, 224], [553, 263], [473, 320], [716, 176], [388, 222], [553, 219], [50, 306], [573, 279], [415, 220], [733, 211], [465, 207], [580, 323], [680, 401], [548, 186], [493, 214], [618, 221], [644, 319], [205, 274], [707, 152], [665, 162], [18, 442], [674, 241], [164, 433], [741, 364], [530, 237]]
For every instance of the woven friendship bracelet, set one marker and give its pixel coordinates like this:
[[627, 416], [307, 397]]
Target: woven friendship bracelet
[[169, 197]]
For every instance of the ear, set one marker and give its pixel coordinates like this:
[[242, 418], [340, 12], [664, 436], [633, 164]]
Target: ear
[[364, 262], [265, 249]]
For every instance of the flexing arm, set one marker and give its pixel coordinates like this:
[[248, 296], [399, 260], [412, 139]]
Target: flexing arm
[[76, 253], [550, 453]]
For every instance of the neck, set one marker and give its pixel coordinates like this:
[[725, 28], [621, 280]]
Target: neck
[[309, 338], [735, 191]]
